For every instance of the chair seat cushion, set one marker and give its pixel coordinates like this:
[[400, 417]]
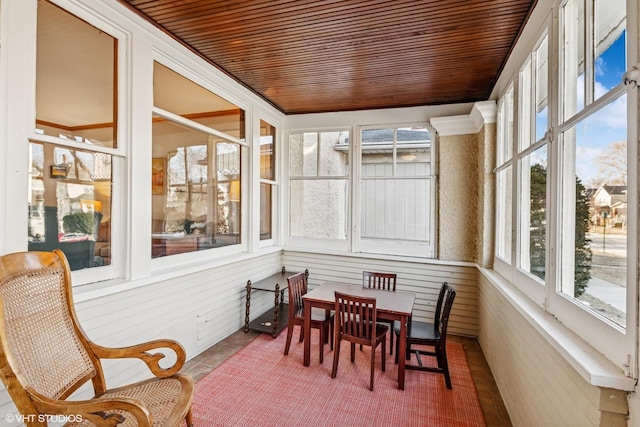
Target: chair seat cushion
[[419, 331], [160, 395]]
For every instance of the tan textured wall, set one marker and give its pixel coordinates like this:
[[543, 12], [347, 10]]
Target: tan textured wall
[[486, 194], [458, 198]]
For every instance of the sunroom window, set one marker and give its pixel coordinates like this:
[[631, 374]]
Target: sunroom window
[[319, 190], [196, 167], [267, 178], [396, 191], [594, 144], [70, 188]]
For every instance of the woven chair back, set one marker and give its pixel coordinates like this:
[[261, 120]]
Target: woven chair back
[[40, 342]]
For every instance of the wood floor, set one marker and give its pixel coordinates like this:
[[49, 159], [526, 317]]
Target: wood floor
[[493, 408]]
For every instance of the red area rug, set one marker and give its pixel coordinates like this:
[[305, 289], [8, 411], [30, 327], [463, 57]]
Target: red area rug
[[260, 387]]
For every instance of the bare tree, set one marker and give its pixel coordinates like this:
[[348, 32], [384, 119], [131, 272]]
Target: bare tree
[[612, 164]]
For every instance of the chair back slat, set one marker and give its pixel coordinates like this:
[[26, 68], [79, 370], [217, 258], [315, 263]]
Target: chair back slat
[[438, 314], [375, 280], [296, 288], [446, 312], [356, 317], [41, 342]]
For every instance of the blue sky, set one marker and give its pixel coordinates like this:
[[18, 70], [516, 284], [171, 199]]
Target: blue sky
[[608, 125]]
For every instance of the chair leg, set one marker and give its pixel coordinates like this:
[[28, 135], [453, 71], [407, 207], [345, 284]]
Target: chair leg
[[384, 353], [321, 344], [330, 326], [445, 367], [336, 356], [397, 349], [353, 352], [301, 334], [189, 418], [373, 365], [289, 335], [391, 338]]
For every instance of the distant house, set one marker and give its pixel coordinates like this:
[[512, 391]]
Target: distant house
[[609, 202]]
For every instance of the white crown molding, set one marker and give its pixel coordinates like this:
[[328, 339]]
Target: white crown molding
[[481, 113]]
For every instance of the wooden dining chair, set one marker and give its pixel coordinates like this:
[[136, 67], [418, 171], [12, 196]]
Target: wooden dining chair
[[45, 355], [356, 322], [430, 334], [386, 282], [320, 319]]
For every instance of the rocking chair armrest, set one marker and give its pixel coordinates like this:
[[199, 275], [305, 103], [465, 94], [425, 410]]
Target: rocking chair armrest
[[98, 410], [140, 351]]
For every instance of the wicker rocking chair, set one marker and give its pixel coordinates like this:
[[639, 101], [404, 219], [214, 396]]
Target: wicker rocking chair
[[45, 355]]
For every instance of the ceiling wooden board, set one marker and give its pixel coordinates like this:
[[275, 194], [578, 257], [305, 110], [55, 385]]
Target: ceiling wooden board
[[309, 56]]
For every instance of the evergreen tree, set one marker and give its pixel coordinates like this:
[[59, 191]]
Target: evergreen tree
[[583, 250], [538, 225]]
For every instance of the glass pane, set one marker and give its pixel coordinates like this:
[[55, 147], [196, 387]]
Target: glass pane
[[413, 149], [267, 151], [75, 98], [181, 96], [396, 209], [319, 154], [610, 59], [541, 88], [505, 127], [303, 154], [319, 208], [195, 190], [70, 204], [573, 57], [266, 200], [533, 213], [525, 106], [334, 154], [503, 214], [598, 209]]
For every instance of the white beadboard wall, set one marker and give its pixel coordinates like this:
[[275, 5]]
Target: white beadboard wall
[[423, 278], [538, 386]]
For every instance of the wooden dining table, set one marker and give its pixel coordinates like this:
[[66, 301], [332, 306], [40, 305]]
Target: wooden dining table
[[390, 305]]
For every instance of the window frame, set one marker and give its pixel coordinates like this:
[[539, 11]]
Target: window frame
[[119, 155], [615, 342], [178, 259], [274, 184], [353, 242], [311, 242], [396, 247]]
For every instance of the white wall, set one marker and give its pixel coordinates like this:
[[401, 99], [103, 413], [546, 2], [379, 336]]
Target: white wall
[[538, 385]]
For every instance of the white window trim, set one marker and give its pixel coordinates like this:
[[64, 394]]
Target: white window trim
[[393, 247], [615, 343], [310, 242]]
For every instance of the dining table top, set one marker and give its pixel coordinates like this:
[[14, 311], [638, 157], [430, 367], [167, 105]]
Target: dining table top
[[392, 302]]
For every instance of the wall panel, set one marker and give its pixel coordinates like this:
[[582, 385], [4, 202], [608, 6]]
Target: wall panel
[[537, 385]]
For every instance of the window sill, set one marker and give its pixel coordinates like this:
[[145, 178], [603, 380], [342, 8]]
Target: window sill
[[101, 289], [367, 255], [596, 369]]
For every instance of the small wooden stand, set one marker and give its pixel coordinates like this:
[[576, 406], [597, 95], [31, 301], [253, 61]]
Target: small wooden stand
[[273, 320]]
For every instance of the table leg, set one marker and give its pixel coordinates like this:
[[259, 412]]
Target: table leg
[[307, 333], [402, 350]]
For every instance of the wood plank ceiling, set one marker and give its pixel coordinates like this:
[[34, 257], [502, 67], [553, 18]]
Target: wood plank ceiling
[[309, 56]]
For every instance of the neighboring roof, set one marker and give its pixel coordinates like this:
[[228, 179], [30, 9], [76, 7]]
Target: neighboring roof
[[615, 189]]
